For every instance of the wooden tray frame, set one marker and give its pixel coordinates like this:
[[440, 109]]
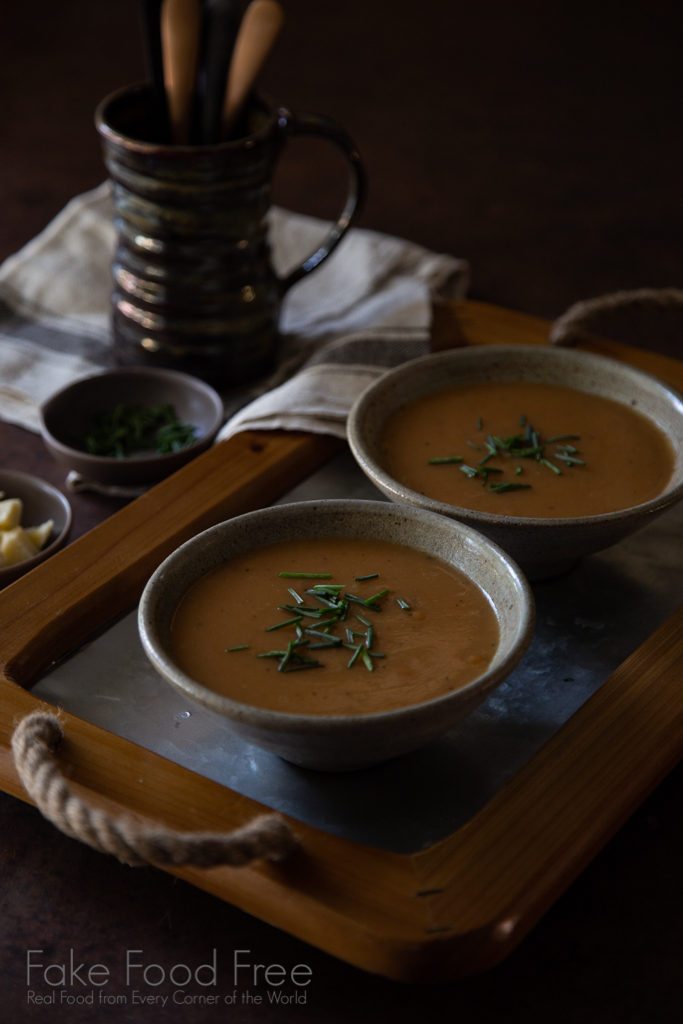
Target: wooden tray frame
[[460, 905]]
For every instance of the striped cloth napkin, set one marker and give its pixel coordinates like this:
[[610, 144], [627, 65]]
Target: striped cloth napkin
[[366, 309]]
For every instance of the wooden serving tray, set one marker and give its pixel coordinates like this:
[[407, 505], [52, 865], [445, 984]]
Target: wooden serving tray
[[460, 905]]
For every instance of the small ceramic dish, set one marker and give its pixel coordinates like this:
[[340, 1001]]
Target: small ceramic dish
[[533, 543], [341, 743], [41, 502], [66, 416]]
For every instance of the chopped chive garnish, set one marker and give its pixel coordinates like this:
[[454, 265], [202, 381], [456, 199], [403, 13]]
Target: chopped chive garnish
[[354, 656], [289, 622], [478, 422], [440, 461], [323, 600], [568, 449], [367, 662], [555, 469], [369, 638], [299, 632], [272, 654], [522, 420], [373, 654], [371, 576], [242, 647], [359, 600], [326, 622], [288, 655], [306, 575], [518, 470], [349, 635], [403, 604], [523, 453], [486, 458], [376, 597], [569, 459], [332, 642], [469, 471], [310, 613], [306, 664], [564, 437], [325, 588], [473, 445], [501, 488], [299, 600], [324, 636], [364, 621]]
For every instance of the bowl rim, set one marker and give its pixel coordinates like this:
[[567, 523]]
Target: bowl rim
[[127, 371], [52, 548], [383, 479], [283, 721]]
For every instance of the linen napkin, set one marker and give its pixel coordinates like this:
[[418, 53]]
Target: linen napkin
[[366, 309]]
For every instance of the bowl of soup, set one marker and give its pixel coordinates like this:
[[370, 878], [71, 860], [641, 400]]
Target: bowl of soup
[[337, 634], [551, 453]]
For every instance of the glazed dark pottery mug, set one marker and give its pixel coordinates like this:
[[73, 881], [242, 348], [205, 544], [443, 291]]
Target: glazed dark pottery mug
[[194, 289]]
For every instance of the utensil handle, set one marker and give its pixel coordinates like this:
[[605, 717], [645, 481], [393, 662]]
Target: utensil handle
[[151, 28], [261, 25], [221, 23], [180, 34], [318, 124]]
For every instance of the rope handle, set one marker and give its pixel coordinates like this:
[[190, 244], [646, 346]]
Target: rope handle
[[572, 326], [33, 744]]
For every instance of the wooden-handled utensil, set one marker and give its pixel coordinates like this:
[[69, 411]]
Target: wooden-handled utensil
[[261, 25], [151, 23], [221, 22], [181, 22]]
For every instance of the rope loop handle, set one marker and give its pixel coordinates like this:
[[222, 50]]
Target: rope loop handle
[[33, 744], [573, 326]]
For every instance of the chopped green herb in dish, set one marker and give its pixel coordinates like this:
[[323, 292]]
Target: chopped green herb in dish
[[131, 429]]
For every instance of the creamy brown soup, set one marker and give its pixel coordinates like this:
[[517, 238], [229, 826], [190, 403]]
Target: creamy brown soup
[[445, 639], [626, 459]]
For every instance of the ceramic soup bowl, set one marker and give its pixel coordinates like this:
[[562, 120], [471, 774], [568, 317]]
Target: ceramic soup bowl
[[542, 547], [341, 742]]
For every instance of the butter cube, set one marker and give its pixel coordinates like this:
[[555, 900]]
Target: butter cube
[[39, 534], [15, 546], [10, 513]]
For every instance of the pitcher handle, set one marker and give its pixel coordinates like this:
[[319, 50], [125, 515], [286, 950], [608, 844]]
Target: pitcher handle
[[318, 124]]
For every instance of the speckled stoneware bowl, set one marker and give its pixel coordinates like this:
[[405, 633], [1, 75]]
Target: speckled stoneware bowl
[[66, 416], [341, 743], [542, 547], [41, 501]]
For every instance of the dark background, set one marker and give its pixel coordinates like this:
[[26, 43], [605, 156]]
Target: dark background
[[542, 141]]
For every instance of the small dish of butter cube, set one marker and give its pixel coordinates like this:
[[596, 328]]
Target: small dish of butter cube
[[35, 519]]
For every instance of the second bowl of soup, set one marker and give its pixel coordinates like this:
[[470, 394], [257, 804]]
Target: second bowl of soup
[[552, 453]]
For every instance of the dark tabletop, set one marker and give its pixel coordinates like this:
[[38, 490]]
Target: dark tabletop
[[540, 140]]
